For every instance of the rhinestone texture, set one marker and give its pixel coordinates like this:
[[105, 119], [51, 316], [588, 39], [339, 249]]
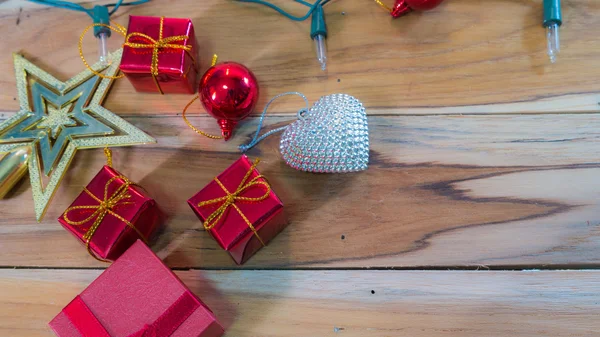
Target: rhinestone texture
[[331, 137]]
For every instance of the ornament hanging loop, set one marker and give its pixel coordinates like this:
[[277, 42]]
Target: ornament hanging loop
[[117, 28], [302, 114], [198, 131], [108, 154], [384, 6]]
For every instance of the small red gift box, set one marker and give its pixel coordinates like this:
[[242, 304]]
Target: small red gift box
[[111, 214], [160, 55], [137, 296], [240, 210]]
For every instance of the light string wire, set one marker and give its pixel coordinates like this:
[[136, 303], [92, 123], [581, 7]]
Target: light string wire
[[256, 139], [77, 7], [312, 6]]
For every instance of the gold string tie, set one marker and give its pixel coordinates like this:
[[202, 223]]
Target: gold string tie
[[157, 46], [230, 199], [116, 28], [103, 208], [384, 6], [185, 119]]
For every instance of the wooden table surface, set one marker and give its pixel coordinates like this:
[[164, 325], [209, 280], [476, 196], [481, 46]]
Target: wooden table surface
[[478, 216]]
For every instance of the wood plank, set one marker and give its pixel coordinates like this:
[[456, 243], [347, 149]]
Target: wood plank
[[466, 56], [346, 303], [441, 191]]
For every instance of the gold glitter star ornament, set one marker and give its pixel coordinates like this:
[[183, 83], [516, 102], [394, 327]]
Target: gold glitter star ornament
[[58, 118]]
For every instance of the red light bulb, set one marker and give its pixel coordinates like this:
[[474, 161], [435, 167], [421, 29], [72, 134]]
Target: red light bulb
[[405, 6]]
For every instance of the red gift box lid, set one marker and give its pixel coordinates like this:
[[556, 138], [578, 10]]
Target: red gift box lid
[[135, 291]]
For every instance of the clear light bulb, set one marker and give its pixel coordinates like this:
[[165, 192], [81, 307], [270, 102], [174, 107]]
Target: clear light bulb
[[102, 47], [552, 34], [321, 49]]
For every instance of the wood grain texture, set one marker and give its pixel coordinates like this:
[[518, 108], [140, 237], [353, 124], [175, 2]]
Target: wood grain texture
[[466, 56], [482, 178], [440, 191], [346, 303]]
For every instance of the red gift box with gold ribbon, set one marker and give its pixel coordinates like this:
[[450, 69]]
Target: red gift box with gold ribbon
[[137, 296], [110, 214], [240, 210], [160, 55]]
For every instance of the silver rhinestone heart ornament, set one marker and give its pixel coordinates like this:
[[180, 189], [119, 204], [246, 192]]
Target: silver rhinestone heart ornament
[[331, 137]]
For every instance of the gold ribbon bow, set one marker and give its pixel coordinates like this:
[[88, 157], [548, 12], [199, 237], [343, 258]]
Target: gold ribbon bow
[[230, 199], [156, 46], [103, 208]]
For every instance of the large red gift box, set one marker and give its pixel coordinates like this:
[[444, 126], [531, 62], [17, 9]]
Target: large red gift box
[[110, 214], [252, 216], [172, 55], [137, 296]]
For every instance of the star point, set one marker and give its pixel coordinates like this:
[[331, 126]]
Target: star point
[[57, 118]]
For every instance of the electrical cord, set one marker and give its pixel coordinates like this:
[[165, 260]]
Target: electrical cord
[[120, 3], [312, 6], [318, 28], [100, 14], [65, 5], [89, 11]]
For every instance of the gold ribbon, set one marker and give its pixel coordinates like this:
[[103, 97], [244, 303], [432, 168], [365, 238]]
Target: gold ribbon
[[103, 208], [117, 28], [198, 131], [230, 199], [156, 46], [384, 6]]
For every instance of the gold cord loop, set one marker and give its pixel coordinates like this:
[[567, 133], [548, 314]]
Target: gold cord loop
[[384, 6], [117, 28], [108, 154], [198, 131]]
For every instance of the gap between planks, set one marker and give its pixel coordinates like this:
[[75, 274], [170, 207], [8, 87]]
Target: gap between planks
[[419, 64], [346, 303], [508, 268], [446, 191]]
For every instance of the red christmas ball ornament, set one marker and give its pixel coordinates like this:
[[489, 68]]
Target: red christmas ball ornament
[[402, 7], [229, 92]]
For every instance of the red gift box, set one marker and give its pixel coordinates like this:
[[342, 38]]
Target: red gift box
[[240, 210], [137, 296], [164, 63], [111, 214]]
